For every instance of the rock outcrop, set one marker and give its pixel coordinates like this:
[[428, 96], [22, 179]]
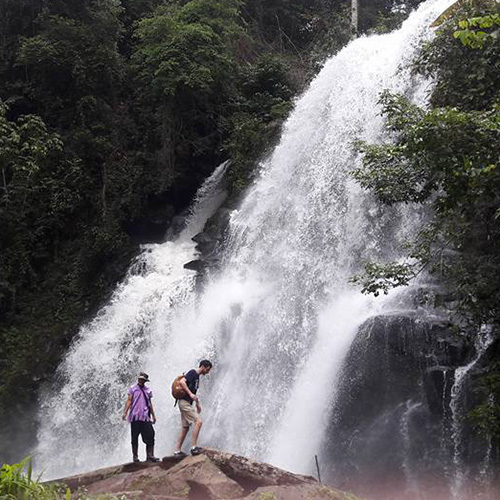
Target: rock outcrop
[[394, 397], [208, 242], [212, 475], [401, 413]]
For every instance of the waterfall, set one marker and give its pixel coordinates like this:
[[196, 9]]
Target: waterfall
[[405, 424], [484, 340], [279, 316], [80, 416]]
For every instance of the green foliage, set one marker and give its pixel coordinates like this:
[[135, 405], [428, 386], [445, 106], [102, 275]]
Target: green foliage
[[63, 197], [264, 102], [185, 65], [309, 29], [383, 277], [449, 13], [466, 79], [72, 58], [448, 155], [187, 47], [383, 16], [485, 417], [445, 150], [31, 196], [472, 34], [17, 483]]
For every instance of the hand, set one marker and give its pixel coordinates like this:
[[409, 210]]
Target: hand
[[198, 407], [124, 416], [194, 397], [154, 419]]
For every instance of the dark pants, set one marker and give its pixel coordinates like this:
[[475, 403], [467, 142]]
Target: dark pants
[[145, 429]]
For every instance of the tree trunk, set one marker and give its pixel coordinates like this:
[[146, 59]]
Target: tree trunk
[[354, 18]]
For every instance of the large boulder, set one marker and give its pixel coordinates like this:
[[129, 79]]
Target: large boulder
[[204, 479], [399, 409], [214, 475]]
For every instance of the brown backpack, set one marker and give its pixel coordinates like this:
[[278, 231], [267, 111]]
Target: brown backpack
[[177, 391]]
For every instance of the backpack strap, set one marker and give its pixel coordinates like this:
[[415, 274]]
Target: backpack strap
[[146, 399]]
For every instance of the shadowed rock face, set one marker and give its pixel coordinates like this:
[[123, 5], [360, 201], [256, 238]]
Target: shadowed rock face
[[209, 241], [211, 476], [397, 366], [393, 424]]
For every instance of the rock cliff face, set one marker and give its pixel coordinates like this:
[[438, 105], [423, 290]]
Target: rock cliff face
[[208, 242], [213, 475], [397, 366], [400, 413]]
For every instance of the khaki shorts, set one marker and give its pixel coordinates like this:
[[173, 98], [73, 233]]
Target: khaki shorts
[[188, 413]]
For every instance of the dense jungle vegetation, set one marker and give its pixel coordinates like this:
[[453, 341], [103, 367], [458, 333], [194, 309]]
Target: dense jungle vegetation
[[112, 112], [448, 157]]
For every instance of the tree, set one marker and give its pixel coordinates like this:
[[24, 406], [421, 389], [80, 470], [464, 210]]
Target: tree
[[186, 67]]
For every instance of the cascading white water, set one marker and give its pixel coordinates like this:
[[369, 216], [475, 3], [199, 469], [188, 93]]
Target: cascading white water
[[80, 425], [411, 480], [485, 472], [483, 341], [279, 317]]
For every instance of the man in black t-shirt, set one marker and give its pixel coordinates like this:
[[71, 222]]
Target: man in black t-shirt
[[189, 415]]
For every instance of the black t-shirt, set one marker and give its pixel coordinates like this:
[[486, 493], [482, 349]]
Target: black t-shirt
[[192, 380]]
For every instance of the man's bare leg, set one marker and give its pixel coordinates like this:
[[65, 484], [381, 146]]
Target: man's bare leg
[[196, 432], [182, 437]]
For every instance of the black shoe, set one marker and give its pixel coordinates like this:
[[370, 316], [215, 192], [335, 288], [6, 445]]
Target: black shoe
[[179, 454], [196, 450], [136, 460], [150, 454]]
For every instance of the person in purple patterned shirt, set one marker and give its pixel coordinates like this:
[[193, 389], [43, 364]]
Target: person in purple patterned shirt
[[141, 416]]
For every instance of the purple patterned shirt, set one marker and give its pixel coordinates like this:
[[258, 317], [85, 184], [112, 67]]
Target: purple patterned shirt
[[139, 408]]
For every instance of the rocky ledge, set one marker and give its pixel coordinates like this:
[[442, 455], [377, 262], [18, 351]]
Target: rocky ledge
[[210, 476]]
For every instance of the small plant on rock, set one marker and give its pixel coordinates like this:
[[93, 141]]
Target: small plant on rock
[[17, 483]]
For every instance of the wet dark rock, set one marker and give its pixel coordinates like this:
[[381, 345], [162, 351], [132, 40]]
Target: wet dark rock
[[202, 238], [474, 394], [206, 244], [195, 265], [207, 248], [209, 242], [437, 380], [394, 398], [215, 231], [177, 225], [217, 224]]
